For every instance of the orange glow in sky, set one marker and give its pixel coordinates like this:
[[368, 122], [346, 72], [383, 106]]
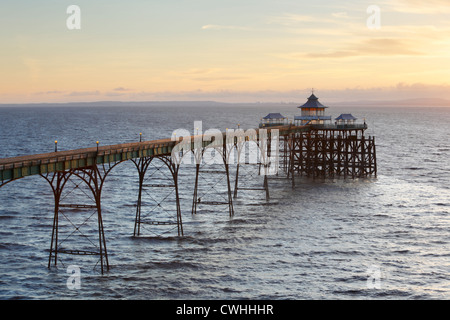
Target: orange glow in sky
[[230, 50]]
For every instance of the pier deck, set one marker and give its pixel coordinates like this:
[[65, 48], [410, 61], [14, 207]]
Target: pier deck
[[22, 166]]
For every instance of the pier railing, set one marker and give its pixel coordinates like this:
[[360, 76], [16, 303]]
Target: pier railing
[[354, 126], [22, 166]]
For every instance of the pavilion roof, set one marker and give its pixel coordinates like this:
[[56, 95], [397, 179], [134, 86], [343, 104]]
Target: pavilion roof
[[313, 102], [346, 116], [274, 116]]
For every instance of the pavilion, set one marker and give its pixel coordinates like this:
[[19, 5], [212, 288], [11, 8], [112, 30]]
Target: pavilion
[[273, 119], [313, 112]]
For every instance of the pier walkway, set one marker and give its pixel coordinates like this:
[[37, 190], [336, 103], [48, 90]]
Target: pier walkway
[[22, 166]]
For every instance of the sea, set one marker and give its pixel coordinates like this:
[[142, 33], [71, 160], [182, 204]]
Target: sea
[[378, 238]]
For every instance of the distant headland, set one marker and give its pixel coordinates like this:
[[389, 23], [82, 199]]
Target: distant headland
[[417, 102]]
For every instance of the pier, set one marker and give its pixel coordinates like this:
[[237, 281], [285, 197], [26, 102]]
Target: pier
[[310, 147]]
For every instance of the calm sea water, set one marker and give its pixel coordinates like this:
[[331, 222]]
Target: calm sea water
[[379, 238]]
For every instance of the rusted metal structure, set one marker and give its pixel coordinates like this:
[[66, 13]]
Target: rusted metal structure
[[328, 151], [315, 150], [93, 177], [89, 168], [143, 165], [222, 175]]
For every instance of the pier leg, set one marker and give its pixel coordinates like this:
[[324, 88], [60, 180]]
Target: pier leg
[[262, 169], [179, 218], [195, 200], [142, 165], [174, 169], [291, 159], [94, 180], [374, 157], [236, 181], [57, 181], [95, 177], [101, 231], [230, 199], [266, 185]]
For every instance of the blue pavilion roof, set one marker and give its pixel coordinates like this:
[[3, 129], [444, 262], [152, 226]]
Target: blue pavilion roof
[[274, 116], [313, 102], [346, 116]]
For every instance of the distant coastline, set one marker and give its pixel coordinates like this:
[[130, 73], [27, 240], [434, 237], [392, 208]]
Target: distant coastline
[[418, 102]]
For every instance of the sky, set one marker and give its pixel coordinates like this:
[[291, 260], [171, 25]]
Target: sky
[[223, 50]]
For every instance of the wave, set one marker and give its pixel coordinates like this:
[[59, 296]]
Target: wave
[[170, 265]]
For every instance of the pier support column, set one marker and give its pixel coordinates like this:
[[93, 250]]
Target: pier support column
[[236, 181], [194, 198], [266, 181], [142, 166], [163, 181], [62, 241], [292, 143], [199, 198], [57, 182], [325, 153], [262, 170]]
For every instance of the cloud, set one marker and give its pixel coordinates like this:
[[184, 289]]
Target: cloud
[[224, 27], [215, 95], [209, 75], [291, 19], [369, 47], [419, 6], [114, 94], [219, 78], [328, 96], [300, 20], [196, 71], [329, 25], [398, 91], [50, 92], [340, 15], [83, 93], [121, 89], [425, 4]]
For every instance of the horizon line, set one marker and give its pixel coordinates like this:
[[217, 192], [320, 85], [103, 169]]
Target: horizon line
[[418, 101]]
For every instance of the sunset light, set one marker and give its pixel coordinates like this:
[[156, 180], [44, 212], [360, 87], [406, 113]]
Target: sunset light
[[222, 50]]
